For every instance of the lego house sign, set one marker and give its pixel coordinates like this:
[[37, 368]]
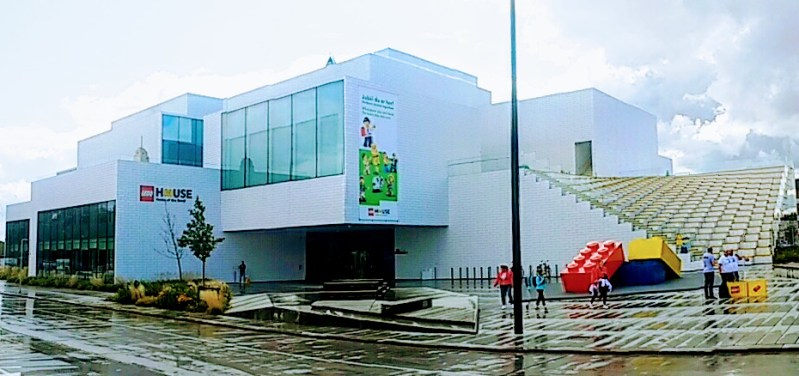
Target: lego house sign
[[149, 193]]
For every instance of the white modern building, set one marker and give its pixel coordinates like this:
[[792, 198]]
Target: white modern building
[[385, 165]]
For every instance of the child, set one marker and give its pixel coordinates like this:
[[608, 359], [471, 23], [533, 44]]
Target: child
[[366, 132], [393, 162], [367, 167], [538, 283], [600, 288], [390, 186], [362, 188], [386, 163], [505, 282]]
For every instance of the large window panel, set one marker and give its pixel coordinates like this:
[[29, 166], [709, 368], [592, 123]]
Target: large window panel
[[182, 141], [16, 246], [96, 255], [330, 129], [185, 133], [170, 128], [304, 135], [257, 146], [170, 152], [233, 146], [279, 140]]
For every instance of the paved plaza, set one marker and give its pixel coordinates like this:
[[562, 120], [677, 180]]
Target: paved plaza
[[671, 322]]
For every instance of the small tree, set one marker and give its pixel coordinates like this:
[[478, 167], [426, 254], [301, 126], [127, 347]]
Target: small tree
[[169, 236], [199, 235]]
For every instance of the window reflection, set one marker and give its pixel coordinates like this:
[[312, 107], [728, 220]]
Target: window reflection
[[77, 241], [182, 141], [296, 137]]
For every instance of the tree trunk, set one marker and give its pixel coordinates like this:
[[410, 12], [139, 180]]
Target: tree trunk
[[180, 270], [203, 272]]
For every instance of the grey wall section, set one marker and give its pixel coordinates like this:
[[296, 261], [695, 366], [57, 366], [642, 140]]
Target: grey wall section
[[270, 256]]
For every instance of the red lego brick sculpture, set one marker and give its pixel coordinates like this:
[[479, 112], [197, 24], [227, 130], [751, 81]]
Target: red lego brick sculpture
[[592, 261]]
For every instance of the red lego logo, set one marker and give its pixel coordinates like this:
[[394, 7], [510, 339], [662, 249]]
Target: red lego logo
[[146, 193]]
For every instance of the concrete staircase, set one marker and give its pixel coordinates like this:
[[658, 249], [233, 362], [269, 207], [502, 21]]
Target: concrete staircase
[[725, 210]]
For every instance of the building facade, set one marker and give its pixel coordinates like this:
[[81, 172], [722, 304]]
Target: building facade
[[355, 170]]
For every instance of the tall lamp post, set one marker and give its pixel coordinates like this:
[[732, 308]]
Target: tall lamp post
[[518, 326], [22, 243]]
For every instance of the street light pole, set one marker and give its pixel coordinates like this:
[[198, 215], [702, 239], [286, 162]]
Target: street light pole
[[21, 250], [518, 326]]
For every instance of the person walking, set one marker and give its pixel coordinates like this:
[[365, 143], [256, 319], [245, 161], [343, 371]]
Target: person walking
[[538, 283], [709, 263], [600, 289], [505, 282], [242, 272]]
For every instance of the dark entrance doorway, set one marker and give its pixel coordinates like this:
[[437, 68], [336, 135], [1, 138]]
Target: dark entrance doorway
[[583, 160], [350, 255]]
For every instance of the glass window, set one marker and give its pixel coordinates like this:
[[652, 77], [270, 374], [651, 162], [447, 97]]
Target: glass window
[[16, 244], [233, 131], [187, 154], [257, 145], [170, 128], [185, 133], [304, 135], [330, 129], [170, 152], [279, 140], [182, 141], [296, 137], [197, 132], [91, 256]]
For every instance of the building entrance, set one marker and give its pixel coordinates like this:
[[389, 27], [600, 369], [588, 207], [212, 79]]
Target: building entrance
[[350, 255]]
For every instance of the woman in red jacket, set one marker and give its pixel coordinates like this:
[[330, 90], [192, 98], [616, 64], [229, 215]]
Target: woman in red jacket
[[505, 282]]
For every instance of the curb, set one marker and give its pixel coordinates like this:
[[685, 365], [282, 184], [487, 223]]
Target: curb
[[469, 347]]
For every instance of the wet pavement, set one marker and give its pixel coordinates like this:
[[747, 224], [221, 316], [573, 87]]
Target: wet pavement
[[44, 332]]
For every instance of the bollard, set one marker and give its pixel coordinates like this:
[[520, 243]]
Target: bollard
[[489, 272], [460, 273], [435, 273], [467, 273], [474, 272], [531, 269], [451, 274], [481, 273], [557, 275]]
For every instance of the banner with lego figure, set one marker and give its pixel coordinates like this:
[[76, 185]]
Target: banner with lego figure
[[378, 159]]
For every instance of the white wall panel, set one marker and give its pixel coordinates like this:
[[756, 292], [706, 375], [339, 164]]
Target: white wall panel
[[140, 224], [554, 227], [310, 202]]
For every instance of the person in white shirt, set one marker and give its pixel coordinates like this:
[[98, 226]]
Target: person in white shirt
[[708, 262], [600, 289]]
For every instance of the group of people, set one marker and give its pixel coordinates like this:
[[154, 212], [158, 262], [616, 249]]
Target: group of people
[[728, 269], [598, 289]]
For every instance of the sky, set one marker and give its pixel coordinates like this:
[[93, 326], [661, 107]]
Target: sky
[[722, 77]]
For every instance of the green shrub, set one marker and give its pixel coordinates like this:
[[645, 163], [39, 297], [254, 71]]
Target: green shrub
[[176, 295], [147, 301], [72, 282], [783, 255], [122, 296]]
